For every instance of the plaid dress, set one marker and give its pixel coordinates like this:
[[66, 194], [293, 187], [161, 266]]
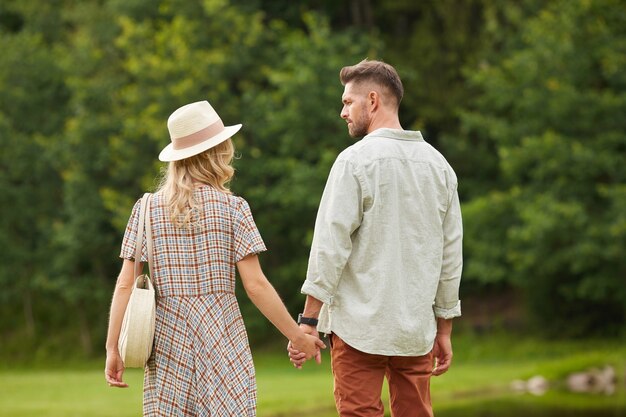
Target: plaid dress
[[201, 363]]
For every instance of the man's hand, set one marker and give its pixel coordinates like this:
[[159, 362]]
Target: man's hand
[[443, 353]]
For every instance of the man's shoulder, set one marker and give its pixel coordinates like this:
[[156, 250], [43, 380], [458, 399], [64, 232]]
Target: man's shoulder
[[375, 148], [360, 150], [350, 154]]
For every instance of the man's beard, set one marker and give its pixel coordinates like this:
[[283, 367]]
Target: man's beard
[[359, 127]]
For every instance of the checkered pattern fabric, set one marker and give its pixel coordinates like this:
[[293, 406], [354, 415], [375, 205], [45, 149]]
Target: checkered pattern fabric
[[201, 363]]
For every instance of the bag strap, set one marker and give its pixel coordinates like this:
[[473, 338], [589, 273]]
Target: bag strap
[[144, 221], [149, 234]]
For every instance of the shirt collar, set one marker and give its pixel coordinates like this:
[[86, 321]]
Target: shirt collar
[[400, 134]]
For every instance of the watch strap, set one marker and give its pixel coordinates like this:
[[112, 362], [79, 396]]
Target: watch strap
[[306, 320]]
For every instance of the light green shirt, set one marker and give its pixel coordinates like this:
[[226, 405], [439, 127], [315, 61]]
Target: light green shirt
[[386, 256]]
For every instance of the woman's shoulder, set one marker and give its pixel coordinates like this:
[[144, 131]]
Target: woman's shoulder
[[211, 194], [239, 202]]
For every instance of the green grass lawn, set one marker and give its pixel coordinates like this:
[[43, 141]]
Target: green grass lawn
[[476, 385]]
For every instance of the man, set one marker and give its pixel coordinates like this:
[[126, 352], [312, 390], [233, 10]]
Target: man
[[385, 263]]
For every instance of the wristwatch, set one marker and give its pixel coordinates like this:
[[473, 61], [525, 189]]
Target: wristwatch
[[307, 320]]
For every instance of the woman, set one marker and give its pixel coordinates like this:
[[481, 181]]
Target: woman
[[201, 362]]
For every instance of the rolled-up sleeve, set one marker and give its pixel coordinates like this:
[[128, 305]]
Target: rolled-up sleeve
[[447, 303], [339, 215]]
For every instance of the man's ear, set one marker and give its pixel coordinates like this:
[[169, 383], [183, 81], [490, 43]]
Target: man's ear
[[373, 100]]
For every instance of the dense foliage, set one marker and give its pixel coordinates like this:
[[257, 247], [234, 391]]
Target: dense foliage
[[526, 100], [553, 111]]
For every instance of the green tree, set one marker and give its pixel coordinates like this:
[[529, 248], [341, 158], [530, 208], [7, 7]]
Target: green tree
[[554, 110], [32, 83]]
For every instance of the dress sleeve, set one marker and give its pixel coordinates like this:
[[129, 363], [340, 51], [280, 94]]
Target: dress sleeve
[[246, 235], [128, 243]]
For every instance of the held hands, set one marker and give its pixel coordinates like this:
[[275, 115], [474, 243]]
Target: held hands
[[297, 352]]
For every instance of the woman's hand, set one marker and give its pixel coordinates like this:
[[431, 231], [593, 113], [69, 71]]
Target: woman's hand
[[114, 370], [308, 345]]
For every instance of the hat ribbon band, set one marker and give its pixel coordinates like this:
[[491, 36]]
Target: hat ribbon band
[[199, 136]]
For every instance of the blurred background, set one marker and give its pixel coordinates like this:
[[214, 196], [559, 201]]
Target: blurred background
[[525, 98]]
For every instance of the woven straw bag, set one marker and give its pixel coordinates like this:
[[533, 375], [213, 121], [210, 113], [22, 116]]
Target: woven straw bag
[[137, 333]]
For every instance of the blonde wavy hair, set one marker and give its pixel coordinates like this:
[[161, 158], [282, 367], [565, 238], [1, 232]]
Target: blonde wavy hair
[[212, 167]]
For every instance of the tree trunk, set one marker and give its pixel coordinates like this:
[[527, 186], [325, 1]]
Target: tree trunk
[[85, 333], [29, 316], [362, 15]]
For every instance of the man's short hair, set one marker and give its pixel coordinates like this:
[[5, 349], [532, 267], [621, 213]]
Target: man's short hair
[[378, 72]]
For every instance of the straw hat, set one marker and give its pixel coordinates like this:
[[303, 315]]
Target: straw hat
[[194, 128]]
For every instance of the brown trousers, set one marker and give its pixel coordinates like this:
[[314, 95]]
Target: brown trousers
[[359, 379]]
